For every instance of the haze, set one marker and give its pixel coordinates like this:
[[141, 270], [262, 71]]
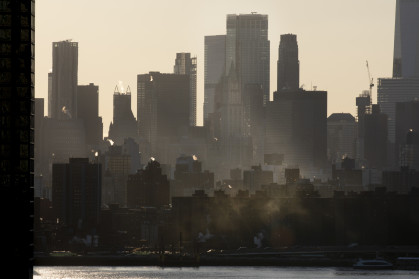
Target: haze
[[120, 39]]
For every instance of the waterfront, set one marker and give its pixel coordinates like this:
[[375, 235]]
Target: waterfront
[[99, 272]]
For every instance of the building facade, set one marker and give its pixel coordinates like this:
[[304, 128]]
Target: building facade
[[76, 193], [17, 93]]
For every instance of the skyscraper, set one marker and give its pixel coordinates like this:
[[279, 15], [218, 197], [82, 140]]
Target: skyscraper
[[406, 39], [17, 78], [296, 126], [88, 111], [288, 64], [248, 49], [375, 140], [186, 65], [162, 111], [64, 80], [124, 124], [214, 69]]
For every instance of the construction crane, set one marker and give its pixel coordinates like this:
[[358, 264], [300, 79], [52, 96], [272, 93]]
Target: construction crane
[[370, 80]]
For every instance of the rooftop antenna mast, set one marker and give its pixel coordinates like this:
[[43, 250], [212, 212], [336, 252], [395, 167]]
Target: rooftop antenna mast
[[370, 80]]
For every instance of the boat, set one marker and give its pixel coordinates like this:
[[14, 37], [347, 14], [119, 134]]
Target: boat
[[373, 264]]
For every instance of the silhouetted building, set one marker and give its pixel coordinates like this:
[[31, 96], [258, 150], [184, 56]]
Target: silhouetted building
[[148, 187], [88, 111], [363, 104], [64, 80], [409, 151], [17, 79], [407, 123], [76, 191], [124, 124], [162, 111], [214, 65], [406, 39], [186, 65], [296, 126], [288, 64], [375, 140], [341, 136], [39, 123], [401, 181]]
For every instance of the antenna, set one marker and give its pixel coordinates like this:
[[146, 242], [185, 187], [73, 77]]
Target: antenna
[[370, 80]]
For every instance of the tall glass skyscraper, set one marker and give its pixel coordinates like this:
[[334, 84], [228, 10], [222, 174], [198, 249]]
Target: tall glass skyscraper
[[248, 48], [406, 39], [214, 69], [186, 65], [64, 80]]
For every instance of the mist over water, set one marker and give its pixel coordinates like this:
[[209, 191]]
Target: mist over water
[[214, 272]]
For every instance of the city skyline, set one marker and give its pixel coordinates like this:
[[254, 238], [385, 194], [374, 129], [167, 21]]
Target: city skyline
[[116, 40]]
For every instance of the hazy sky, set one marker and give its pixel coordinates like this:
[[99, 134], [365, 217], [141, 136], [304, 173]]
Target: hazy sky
[[119, 39]]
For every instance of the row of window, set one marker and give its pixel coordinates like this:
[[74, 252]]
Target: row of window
[[22, 78], [25, 7]]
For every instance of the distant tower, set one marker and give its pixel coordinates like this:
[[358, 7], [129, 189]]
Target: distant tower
[[88, 111], [186, 65], [406, 39], [64, 80], [288, 64], [124, 124], [248, 49], [214, 69]]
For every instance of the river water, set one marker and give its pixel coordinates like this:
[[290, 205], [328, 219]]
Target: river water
[[65, 272]]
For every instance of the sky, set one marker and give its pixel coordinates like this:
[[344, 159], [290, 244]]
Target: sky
[[119, 39]]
